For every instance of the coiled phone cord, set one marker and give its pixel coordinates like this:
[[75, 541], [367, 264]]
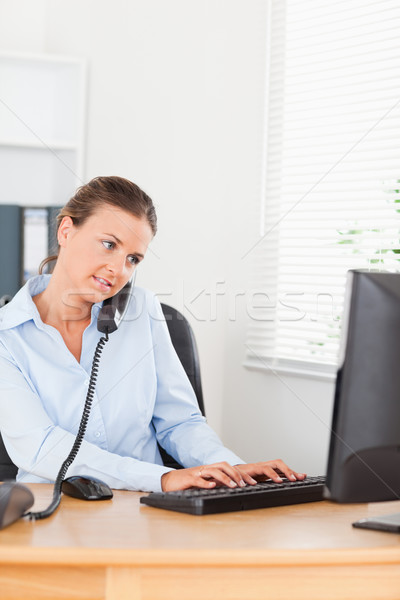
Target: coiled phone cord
[[79, 437]]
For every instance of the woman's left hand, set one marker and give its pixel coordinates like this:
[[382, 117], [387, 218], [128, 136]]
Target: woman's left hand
[[272, 469]]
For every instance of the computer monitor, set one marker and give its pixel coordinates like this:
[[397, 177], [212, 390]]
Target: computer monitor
[[364, 455]]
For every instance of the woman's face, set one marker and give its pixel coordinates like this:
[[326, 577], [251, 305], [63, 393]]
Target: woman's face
[[97, 258]]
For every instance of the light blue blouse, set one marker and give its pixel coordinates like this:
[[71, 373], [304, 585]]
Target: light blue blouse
[[142, 395]]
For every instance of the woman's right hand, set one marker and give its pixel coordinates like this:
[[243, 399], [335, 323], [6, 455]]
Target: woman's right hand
[[205, 476]]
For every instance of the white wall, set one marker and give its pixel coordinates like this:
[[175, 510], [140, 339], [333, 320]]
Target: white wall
[[176, 104]]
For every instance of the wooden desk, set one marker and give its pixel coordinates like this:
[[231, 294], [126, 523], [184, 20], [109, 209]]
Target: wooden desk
[[121, 550]]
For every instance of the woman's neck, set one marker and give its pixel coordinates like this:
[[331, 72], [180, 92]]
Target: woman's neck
[[70, 321], [62, 308]]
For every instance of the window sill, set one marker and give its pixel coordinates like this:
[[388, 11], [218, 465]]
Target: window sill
[[292, 368]]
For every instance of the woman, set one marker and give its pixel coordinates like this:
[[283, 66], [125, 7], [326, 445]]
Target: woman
[[48, 335]]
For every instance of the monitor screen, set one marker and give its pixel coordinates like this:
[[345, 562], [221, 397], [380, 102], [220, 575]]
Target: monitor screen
[[364, 454]]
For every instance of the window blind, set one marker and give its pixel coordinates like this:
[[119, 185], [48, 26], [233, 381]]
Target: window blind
[[331, 198]]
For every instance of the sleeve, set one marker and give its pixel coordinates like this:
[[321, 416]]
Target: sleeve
[[38, 447], [180, 427]]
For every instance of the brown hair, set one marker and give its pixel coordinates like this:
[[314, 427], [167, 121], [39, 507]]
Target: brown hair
[[115, 191]]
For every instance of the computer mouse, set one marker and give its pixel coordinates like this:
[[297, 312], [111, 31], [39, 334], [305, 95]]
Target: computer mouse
[[15, 499], [85, 487]]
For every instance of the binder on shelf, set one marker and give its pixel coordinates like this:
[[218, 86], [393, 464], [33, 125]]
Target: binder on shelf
[[10, 250], [27, 236]]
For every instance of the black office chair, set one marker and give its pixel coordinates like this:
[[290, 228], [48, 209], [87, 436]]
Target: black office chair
[[184, 342], [8, 470]]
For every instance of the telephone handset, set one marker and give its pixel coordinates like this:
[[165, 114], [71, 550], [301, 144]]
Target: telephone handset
[[113, 310], [110, 316]]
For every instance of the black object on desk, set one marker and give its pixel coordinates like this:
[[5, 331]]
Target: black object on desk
[[86, 488], [199, 501], [389, 523], [15, 499]]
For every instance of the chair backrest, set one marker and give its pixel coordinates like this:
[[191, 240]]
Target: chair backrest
[[8, 470], [184, 342]]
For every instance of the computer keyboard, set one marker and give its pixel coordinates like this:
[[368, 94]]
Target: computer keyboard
[[198, 501]]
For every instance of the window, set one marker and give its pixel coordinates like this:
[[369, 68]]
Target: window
[[332, 168]]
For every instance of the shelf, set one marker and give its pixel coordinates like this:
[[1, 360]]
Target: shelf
[[30, 57], [42, 100], [42, 135], [42, 128], [32, 178], [38, 145]]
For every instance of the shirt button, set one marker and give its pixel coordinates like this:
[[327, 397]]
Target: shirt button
[[97, 434], [86, 382]]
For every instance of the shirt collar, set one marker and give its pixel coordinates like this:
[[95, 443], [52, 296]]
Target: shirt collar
[[22, 308]]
